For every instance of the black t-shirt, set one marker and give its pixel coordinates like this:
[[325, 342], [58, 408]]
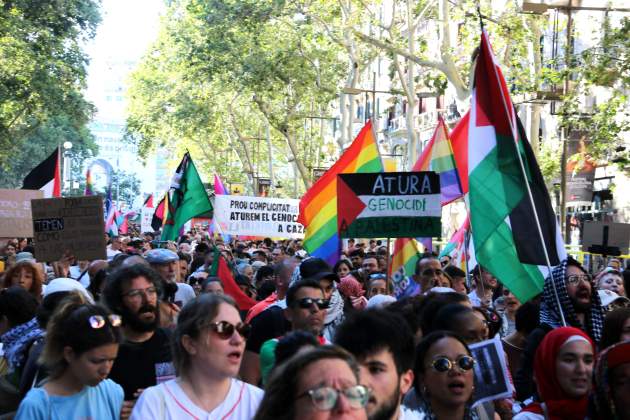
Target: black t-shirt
[[269, 324], [141, 365]]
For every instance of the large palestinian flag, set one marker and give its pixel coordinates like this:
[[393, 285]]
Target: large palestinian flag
[[506, 239]]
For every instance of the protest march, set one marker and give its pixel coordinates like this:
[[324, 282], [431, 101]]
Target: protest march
[[343, 302]]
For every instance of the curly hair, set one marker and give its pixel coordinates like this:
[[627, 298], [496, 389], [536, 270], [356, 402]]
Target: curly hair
[[38, 277]]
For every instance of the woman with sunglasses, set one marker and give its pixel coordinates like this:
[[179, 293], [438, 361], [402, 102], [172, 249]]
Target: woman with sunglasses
[[81, 345], [208, 346], [443, 383], [563, 366], [321, 383]]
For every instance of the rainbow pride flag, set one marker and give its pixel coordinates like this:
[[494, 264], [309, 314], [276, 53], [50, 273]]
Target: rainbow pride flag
[[404, 259], [89, 185], [318, 207], [438, 157], [455, 248]]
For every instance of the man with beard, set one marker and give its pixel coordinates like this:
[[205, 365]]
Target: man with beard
[[144, 357], [580, 305], [166, 263], [382, 343], [485, 283]]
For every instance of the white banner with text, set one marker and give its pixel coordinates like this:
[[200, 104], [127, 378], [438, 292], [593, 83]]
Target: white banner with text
[[258, 216]]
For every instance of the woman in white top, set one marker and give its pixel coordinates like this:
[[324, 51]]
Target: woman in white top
[[209, 342]]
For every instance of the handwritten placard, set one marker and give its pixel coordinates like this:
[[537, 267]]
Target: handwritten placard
[[68, 225]]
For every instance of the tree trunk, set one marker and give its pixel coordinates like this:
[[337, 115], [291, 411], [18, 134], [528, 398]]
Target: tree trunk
[[298, 162], [283, 128], [272, 185]]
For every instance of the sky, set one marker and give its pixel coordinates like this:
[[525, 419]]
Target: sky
[[127, 29]]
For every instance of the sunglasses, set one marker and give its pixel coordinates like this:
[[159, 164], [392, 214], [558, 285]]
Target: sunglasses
[[325, 398], [575, 279], [225, 330], [307, 303], [444, 364], [98, 321]]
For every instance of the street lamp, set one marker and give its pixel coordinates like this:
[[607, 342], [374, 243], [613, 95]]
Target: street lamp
[[67, 166]]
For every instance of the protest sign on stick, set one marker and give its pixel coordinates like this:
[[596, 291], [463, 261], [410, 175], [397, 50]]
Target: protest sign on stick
[[69, 225], [390, 205], [258, 216], [15, 213]]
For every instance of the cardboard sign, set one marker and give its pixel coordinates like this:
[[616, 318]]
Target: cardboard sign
[[492, 381], [392, 205], [72, 224], [258, 216], [15, 213]]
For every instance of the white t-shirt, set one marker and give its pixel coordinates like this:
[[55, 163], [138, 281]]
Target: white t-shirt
[[184, 293], [168, 401]]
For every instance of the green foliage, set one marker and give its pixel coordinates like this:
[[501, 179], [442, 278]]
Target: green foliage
[[42, 66], [219, 70], [549, 161], [38, 145]]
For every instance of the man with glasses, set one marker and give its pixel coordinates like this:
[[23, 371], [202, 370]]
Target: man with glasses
[[383, 345], [144, 357], [568, 292], [306, 310], [166, 263]]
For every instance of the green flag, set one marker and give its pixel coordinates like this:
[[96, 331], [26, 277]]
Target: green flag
[[187, 198]]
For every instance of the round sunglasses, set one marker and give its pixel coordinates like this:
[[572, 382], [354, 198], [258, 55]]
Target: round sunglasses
[[444, 364], [225, 330]]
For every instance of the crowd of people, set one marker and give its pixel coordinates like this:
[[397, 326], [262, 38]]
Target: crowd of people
[[152, 333]]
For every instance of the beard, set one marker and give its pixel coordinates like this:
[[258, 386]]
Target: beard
[[387, 410], [133, 320]]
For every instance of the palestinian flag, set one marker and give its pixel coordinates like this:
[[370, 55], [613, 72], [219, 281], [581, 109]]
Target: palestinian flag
[[46, 176], [158, 216], [221, 269], [506, 240], [187, 198]]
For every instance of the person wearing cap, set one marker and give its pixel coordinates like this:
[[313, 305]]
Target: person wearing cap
[[611, 300], [319, 270], [306, 310], [166, 263]]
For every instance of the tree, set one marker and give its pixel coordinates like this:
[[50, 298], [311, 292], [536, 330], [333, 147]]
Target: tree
[[231, 48], [38, 145], [42, 66]]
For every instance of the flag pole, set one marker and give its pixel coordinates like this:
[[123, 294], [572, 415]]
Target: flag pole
[[466, 241], [387, 267], [529, 191]]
